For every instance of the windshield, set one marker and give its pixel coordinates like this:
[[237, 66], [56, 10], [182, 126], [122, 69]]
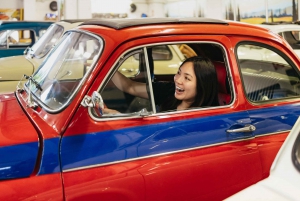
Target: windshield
[[47, 41], [64, 70]]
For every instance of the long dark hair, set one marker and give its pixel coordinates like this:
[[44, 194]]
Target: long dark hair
[[207, 85]]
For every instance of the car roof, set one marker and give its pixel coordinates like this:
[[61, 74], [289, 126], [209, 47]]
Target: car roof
[[125, 23], [142, 27]]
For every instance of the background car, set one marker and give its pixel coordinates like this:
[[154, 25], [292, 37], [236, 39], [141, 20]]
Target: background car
[[16, 36], [290, 32], [55, 139], [284, 180], [13, 68]]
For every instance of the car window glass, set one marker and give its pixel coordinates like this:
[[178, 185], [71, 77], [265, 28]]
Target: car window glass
[[266, 75], [47, 42], [66, 68], [133, 69], [20, 38], [160, 52], [42, 32], [3, 38], [280, 34], [292, 37], [161, 74], [296, 34]]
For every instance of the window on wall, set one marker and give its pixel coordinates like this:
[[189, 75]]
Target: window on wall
[[266, 75]]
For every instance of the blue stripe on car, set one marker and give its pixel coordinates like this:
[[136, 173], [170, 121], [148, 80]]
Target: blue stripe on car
[[130, 143], [18, 160]]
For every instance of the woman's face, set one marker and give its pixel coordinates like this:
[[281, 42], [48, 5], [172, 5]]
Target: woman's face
[[185, 83]]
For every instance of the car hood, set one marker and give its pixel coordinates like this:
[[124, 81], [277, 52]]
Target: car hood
[[13, 68], [19, 142]]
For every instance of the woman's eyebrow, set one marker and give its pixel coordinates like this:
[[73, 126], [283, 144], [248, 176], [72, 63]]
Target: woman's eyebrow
[[188, 74]]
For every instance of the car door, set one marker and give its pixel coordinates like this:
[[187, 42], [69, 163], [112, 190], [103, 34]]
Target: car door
[[143, 154], [271, 85]]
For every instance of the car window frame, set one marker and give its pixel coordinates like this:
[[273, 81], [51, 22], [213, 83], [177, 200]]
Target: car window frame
[[280, 53], [115, 66]]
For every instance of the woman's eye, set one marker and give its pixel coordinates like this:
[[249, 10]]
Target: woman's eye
[[187, 78]]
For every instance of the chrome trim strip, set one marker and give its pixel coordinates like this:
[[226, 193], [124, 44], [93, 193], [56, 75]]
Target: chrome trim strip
[[228, 70], [152, 156], [274, 133]]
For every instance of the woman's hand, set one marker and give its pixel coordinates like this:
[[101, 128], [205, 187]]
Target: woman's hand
[[110, 111]]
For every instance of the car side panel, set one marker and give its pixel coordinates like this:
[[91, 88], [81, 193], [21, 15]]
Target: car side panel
[[47, 187], [184, 156]]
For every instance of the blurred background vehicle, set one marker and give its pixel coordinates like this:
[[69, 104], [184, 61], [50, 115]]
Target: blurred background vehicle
[[13, 68], [290, 32], [16, 36]]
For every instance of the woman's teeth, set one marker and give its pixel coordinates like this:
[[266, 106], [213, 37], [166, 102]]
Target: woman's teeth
[[179, 89]]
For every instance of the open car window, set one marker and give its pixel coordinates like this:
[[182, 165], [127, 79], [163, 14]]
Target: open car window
[[266, 75], [158, 64]]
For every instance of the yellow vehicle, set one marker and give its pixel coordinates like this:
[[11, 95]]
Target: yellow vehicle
[[13, 68]]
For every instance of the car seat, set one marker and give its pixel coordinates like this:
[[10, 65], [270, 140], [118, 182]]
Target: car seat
[[223, 84]]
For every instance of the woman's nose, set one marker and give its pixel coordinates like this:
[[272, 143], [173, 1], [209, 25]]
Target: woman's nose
[[177, 78]]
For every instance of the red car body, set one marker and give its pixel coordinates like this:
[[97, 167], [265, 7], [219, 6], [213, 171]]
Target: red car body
[[186, 155]]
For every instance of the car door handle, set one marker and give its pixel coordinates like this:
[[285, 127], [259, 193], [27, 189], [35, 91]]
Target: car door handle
[[247, 128]]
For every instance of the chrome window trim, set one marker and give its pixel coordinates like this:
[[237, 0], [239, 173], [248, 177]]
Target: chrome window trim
[[109, 74], [149, 80], [84, 78]]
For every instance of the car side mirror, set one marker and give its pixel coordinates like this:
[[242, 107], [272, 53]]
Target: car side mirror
[[95, 102]]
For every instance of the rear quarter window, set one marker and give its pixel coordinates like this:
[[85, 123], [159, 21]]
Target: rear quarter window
[[266, 75]]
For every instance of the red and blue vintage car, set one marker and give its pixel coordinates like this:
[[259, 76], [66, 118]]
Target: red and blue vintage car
[[56, 144]]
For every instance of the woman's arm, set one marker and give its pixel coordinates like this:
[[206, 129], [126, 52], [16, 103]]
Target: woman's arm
[[127, 85]]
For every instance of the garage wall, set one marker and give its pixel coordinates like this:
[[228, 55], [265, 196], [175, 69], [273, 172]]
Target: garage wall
[[77, 9], [13, 4]]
